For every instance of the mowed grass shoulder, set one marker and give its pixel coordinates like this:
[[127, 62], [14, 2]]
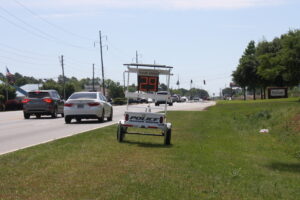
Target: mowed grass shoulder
[[215, 154]]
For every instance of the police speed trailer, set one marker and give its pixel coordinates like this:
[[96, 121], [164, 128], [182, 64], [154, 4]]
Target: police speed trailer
[[148, 80]]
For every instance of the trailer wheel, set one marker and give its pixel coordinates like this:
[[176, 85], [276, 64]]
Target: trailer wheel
[[168, 137], [120, 133], [26, 116]]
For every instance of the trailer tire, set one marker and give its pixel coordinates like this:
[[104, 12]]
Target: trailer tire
[[167, 138], [120, 133]]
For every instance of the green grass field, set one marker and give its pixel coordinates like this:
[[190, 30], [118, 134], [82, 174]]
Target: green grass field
[[215, 154]]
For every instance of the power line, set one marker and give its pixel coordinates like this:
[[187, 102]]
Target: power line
[[23, 50], [22, 55], [50, 23], [22, 27], [25, 62], [41, 34]]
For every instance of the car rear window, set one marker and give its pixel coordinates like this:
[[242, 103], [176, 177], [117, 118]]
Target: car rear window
[[83, 96], [38, 94], [162, 93]]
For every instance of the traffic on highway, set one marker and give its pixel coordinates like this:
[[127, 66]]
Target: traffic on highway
[[18, 133]]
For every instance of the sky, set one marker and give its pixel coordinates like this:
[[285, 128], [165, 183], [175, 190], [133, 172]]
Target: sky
[[201, 39]]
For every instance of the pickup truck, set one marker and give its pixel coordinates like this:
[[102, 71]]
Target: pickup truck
[[163, 97]]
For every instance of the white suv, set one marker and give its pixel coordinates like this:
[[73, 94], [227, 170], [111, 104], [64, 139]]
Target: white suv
[[161, 98]]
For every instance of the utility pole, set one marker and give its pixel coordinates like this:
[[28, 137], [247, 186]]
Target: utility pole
[[136, 57], [63, 73], [101, 55], [93, 77]]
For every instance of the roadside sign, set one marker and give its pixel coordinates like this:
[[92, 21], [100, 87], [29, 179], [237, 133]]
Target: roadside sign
[[277, 92]]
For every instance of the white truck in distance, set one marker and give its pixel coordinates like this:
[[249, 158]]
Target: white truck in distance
[[163, 97]]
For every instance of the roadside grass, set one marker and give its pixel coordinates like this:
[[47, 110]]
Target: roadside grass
[[215, 154]]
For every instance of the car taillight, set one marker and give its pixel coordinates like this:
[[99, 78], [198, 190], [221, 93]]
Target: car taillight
[[94, 104], [47, 100], [126, 117], [25, 100], [161, 120], [68, 104]]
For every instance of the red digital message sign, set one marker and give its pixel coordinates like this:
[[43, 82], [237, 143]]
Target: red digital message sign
[[148, 83]]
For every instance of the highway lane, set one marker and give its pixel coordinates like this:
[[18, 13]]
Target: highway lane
[[17, 133]]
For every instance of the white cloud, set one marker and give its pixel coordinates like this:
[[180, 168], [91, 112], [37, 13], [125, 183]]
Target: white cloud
[[159, 4]]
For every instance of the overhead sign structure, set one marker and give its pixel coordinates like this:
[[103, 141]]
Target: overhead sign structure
[[277, 92]]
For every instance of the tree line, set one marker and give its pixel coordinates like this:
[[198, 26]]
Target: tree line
[[71, 85], [270, 63], [116, 90]]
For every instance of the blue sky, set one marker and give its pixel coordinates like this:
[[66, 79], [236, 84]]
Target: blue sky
[[202, 39]]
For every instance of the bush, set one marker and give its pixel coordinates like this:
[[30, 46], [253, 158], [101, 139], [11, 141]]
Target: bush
[[119, 101]]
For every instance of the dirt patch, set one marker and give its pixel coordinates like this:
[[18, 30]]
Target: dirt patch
[[295, 122]]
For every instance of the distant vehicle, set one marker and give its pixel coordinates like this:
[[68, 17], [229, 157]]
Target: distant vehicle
[[162, 97], [175, 98], [87, 105], [197, 99], [13, 104], [184, 99], [43, 102], [150, 100]]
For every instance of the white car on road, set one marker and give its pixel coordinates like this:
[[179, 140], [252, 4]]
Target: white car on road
[[87, 105]]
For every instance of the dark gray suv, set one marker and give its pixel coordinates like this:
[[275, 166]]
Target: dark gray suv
[[43, 102]]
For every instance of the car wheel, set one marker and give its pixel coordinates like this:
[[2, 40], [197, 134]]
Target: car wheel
[[54, 114], [38, 116], [26, 116], [170, 104], [111, 116], [68, 120], [167, 138], [78, 120], [101, 119], [62, 115], [156, 104]]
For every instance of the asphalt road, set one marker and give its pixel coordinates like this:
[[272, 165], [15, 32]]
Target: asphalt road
[[17, 133]]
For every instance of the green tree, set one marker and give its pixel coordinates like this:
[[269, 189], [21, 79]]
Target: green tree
[[162, 87], [53, 85], [195, 92], [246, 73], [23, 80], [115, 89], [270, 67], [4, 89], [70, 89], [289, 56]]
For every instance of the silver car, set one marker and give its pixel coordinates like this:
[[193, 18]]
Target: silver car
[[87, 105]]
